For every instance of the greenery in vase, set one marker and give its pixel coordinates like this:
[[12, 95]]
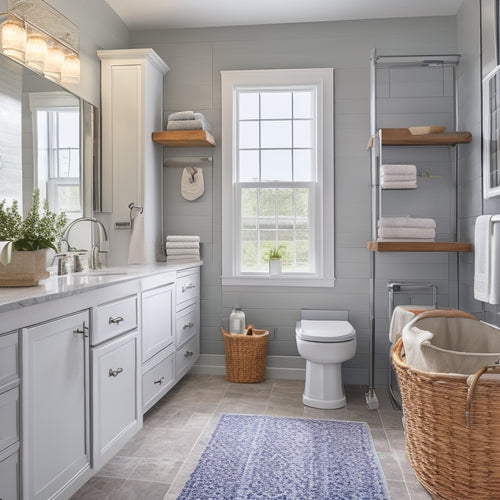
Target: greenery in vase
[[274, 253], [39, 229]]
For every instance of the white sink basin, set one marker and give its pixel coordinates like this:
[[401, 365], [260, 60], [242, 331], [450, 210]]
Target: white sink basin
[[95, 274]]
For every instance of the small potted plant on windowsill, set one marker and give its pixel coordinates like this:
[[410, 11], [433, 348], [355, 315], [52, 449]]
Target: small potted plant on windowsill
[[275, 258], [26, 241]]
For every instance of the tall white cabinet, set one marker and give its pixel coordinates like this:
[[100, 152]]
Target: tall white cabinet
[[132, 91]]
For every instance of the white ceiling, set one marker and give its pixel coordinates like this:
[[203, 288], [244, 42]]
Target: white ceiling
[[151, 14]]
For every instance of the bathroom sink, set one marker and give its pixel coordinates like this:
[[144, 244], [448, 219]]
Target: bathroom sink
[[95, 274]]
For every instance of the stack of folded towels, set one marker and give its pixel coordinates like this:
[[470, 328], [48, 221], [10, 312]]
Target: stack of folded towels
[[406, 229], [183, 249], [187, 120], [398, 177]]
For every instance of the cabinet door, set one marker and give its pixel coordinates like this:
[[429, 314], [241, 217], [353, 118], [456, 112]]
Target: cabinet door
[[9, 473], [55, 445], [116, 410], [157, 319]]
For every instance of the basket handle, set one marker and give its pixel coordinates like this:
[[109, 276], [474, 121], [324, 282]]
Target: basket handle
[[470, 390], [446, 313], [249, 330]]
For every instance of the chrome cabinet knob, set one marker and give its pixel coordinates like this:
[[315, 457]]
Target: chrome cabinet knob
[[114, 373], [116, 320]]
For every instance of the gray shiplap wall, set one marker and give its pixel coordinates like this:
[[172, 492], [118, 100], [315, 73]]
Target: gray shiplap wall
[[196, 57]]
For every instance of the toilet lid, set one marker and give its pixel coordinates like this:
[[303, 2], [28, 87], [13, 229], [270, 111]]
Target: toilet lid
[[326, 330]]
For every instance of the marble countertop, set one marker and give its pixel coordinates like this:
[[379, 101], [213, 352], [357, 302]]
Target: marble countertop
[[56, 287]]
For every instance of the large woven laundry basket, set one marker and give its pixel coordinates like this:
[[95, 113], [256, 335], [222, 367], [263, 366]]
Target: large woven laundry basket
[[452, 427]]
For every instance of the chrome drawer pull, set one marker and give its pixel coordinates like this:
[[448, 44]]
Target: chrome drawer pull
[[188, 287], [188, 325], [115, 320], [188, 353], [114, 373], [159, 381]]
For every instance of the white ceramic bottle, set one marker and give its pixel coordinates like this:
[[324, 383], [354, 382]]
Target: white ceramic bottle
[[237, 320]]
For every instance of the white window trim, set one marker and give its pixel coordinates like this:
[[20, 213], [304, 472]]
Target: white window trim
[[323, 77]]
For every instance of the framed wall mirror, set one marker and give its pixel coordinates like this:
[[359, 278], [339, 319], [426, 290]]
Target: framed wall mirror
[[491, 133], [48, 140]]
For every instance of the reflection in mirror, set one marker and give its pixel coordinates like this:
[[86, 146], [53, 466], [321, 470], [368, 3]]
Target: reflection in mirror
[[491, 133], [40, 142]]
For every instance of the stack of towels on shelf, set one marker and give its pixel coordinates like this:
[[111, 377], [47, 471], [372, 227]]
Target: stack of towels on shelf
[[406, 229], [398, 177], [183, 249], [187, 120]]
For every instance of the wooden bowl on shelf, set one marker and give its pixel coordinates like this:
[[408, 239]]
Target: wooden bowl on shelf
[[429, 129]]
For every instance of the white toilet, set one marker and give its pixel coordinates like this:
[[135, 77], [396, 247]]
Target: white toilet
[[325, 344]]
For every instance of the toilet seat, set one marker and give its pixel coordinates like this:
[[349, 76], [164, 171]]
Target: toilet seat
[[326, 331]]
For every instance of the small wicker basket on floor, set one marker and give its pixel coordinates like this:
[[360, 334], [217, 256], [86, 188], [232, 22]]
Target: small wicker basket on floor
[[246, 356], [452, 429]]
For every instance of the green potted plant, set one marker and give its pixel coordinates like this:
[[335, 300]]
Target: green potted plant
[[29, 239], [275, 258]]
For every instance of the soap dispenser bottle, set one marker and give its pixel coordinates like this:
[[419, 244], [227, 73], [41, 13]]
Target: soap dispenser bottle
[[237, 320]]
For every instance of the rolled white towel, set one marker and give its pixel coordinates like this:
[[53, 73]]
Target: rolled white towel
[[181, 115], [397, 177], [399, 185], [182, 251], [405, 232], [398, 169], [182, 244], [175, 237], [406, 222]]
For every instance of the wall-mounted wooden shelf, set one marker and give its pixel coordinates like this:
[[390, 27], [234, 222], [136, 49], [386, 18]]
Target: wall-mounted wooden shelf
[[184, 138], [418, 246], [403, 137]]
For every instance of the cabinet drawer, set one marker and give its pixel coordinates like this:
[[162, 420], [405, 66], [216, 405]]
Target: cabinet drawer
[[9, 474], [187, 324], [9, 360], [187, 287], [186, 356], [9, 418], [114, 318], [158, 378]]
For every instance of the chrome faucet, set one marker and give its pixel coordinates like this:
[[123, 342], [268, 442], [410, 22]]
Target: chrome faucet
[[94, 262]]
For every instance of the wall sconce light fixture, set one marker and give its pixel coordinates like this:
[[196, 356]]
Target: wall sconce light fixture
[[42, 38]]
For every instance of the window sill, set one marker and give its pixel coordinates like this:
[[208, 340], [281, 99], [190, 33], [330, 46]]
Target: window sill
[[277, 280]]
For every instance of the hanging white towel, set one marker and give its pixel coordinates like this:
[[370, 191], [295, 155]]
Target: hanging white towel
[[482, 266], [136, 251], [5, 252], [192, 185]]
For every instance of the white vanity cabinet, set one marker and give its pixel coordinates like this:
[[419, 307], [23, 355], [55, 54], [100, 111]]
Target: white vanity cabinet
[[56, 425], [9, 416], [187, 324]]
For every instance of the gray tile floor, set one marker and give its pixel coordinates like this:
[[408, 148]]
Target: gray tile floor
[[157, 462]]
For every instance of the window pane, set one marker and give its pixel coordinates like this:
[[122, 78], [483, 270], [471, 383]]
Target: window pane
[[267, 202], [303, 165], [276, 105], [249, 166], [285, 202], [248, 106], [68, 198], [276, 165], [249, 202], [302, 202], [303, 104], [250, 258], [69, 129], [249, 135], [276, 134], [302, 134]]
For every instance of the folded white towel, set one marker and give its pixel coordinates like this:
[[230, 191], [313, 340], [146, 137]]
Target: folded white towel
[[189, 258], [407, 239], [182, 244], [181, 115], [183, 251], [186, 125], [405, 232], [397, 177], [398, 169], [399, 185], [406, 222], [175, 237]]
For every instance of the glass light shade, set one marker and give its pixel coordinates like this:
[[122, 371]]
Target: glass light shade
[[13, 39], [54, 63], [36, 51], [71, 69]]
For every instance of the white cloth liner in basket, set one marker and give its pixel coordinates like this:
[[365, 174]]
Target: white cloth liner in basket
[[444, 344]]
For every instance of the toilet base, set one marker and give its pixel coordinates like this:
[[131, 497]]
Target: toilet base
[[323, 388]]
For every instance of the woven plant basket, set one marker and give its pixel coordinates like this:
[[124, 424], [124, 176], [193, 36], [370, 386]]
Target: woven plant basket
[[246, 355], [452, 429]]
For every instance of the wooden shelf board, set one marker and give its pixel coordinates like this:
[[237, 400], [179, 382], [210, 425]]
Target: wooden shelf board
[[184, 138], [403, 137], [418, 246]]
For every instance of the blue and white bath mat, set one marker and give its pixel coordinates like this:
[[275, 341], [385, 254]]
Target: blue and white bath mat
[[260, 457]]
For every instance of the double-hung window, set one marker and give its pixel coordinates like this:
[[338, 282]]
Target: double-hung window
[[277, 168]]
